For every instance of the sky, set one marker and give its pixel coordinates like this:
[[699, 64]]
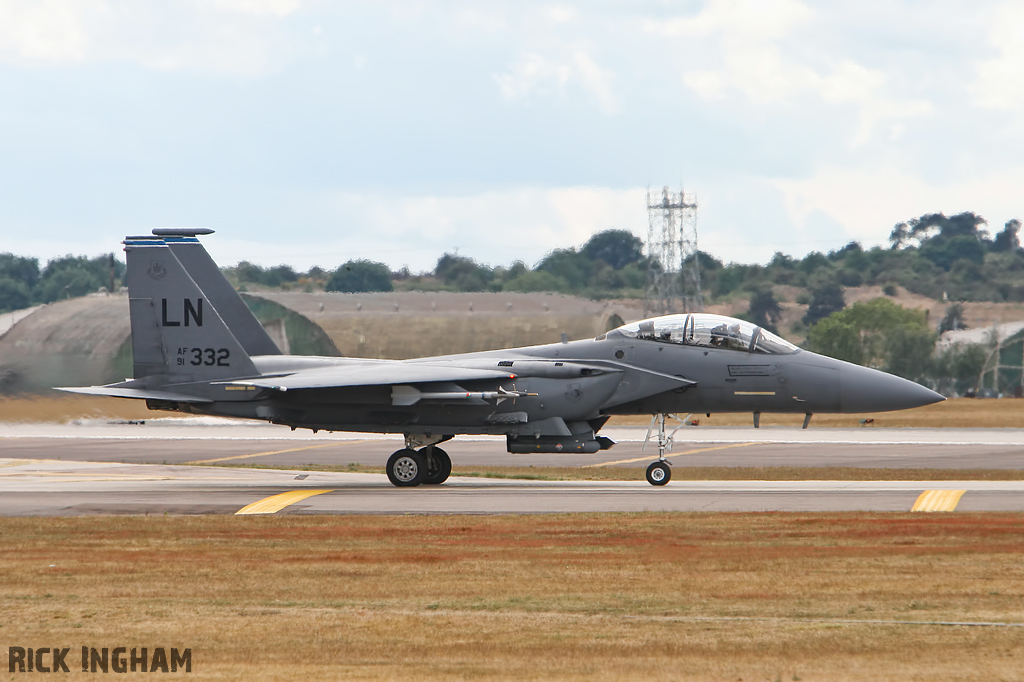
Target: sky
[[311, 132]]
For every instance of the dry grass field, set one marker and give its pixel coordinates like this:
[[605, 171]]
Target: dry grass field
[[955, 413], [61, 408], [611, 597]]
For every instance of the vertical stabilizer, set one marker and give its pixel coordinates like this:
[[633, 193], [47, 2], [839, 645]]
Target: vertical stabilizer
[[177, 331], [219, 292]]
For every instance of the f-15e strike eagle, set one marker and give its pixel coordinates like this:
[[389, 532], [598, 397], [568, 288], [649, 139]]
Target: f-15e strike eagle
[[198, 349]]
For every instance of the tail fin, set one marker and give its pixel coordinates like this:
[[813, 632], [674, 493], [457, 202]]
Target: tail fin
[[219, 292], [177, 331]]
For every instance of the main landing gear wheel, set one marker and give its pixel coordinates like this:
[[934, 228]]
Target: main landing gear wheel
[[407, 468], [439, 465], [659, 473]]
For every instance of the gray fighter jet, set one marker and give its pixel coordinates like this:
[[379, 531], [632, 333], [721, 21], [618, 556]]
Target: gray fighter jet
[[198, 349]]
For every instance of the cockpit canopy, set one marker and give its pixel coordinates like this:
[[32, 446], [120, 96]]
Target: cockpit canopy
[[712, 331]]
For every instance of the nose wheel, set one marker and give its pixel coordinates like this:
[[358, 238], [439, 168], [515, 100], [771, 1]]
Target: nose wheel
[[659, 473]]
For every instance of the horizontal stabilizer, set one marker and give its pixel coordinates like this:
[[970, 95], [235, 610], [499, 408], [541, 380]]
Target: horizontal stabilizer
[[138, 393]]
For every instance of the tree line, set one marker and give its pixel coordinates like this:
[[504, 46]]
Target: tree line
[[952, 257], [610, 264], [23, 283], [934, 255]]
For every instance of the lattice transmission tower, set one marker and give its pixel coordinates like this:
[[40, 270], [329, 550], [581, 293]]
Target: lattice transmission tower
[[673, 266]]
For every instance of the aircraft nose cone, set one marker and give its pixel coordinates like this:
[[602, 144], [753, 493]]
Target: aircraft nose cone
[[868, 390]]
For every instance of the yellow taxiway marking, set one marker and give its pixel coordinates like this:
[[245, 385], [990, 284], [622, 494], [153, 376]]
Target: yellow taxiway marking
[[937, 501], [278, 452], [753, 392], [275, 503], [687, 452], [19, 462]]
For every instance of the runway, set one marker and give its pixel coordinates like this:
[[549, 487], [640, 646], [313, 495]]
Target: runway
[[141, 469], [214, 441], [58, 488]]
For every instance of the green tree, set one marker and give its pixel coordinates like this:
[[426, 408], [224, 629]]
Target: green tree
[[461, 273], [946, 252], [14, 295], [825, 300], [957, 369], [813, 261], [764, 310], [937, 226], [19, 269], [1007, 239], [360, 275], [727, 280], [68, 283], [878, 334], [617, 248], [71, 276], [248, 272], [954, 319], [570, 266], [278, 275]]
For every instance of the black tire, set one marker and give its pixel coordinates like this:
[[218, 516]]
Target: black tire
[[439, 466], [659, 473], [406, 468]]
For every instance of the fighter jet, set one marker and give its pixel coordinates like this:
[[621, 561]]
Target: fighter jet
[[199, 350]]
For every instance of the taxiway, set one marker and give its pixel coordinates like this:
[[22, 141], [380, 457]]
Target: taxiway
[[158, 467]]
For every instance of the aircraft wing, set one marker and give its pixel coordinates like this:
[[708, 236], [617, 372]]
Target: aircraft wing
[[375, 374]]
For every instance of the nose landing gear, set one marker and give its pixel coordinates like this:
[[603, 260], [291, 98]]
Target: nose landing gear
[[660, 472]]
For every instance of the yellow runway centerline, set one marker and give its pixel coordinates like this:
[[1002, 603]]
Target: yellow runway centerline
[[686, 452], [275, 503], [937, 501], [278, 452]]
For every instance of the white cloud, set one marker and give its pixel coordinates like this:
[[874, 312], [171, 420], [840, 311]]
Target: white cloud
[[851, 83], [534, 75], [278, 8], [769, 54], [231, 36], [1000, 81], [479, 20], [740, 20], [708, 84], [530, 74], [597, 81], [47, 31], [561, 14]]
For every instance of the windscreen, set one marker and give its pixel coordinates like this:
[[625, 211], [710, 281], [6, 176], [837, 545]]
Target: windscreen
[[710, 331]]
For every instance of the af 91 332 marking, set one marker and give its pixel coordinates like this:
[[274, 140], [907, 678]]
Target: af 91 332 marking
[[204, 356]]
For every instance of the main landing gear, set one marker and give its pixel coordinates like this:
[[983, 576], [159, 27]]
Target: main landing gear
[[660, 472], [429, 465]]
